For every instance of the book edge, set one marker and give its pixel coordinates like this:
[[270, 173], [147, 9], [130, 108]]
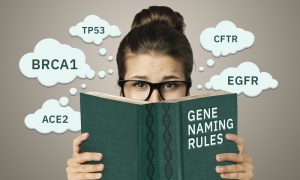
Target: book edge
[[133, 101]]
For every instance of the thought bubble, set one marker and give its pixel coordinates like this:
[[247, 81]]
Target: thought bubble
[[93, 29], [210, 63], [102, 51], [226, 39], [110, 58], [73, 91], [102, 74], [90, 75], [199, 86], [83, 86], [246, 78], [63, 101], [52, 62], [208, 85], [201, 69], [110, 71], [52, 117]]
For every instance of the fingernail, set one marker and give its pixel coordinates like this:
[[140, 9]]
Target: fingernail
[[84, 135], [223, 175], [99, 156], [228, 135], [100, 167], [219, 169], [219, 157], [98, 175]]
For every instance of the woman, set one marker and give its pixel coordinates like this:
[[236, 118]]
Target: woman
[[155, 62]]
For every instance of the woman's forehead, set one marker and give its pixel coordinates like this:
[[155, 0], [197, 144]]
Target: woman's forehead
[[153, 67]]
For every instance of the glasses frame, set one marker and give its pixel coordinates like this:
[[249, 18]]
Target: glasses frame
[[153, 86]]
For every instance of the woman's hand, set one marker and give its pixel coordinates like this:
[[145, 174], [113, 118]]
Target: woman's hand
[[76, 170], [244, 167]]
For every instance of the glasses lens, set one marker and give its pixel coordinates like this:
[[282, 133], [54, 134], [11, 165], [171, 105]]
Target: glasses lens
[[172, 90], [136, 90]]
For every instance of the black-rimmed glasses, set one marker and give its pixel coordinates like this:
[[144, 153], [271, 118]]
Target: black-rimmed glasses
[[142, 90]]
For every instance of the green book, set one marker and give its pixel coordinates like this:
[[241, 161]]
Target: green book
[[167, 140]]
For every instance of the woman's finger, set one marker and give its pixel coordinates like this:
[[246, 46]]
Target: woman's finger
[[239, 141], [238, 158], [234, 168], [86, 168], [238, 175], [89, 176], [77, 141], [84, 157]]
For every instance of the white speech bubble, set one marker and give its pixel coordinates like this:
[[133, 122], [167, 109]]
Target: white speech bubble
[[93, 29], [52, 62], [226, 39], [245, 78], [52, 117]]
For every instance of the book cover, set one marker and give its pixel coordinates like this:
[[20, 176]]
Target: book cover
[[167, 140]]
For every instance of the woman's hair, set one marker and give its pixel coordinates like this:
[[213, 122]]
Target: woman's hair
[[157, 30]]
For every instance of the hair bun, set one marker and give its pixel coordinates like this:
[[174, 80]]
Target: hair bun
[[161, 14]]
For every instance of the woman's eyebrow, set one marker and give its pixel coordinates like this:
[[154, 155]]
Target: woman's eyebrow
[[139, 77], [165, 78], [171, 77]]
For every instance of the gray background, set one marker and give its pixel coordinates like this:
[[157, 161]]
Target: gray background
[[269, 123]]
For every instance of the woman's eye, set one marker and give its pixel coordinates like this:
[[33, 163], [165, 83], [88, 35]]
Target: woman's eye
[[140, 85], [169, 85]]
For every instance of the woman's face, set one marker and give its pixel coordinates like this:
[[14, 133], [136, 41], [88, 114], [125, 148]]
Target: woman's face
[[154, 69]]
